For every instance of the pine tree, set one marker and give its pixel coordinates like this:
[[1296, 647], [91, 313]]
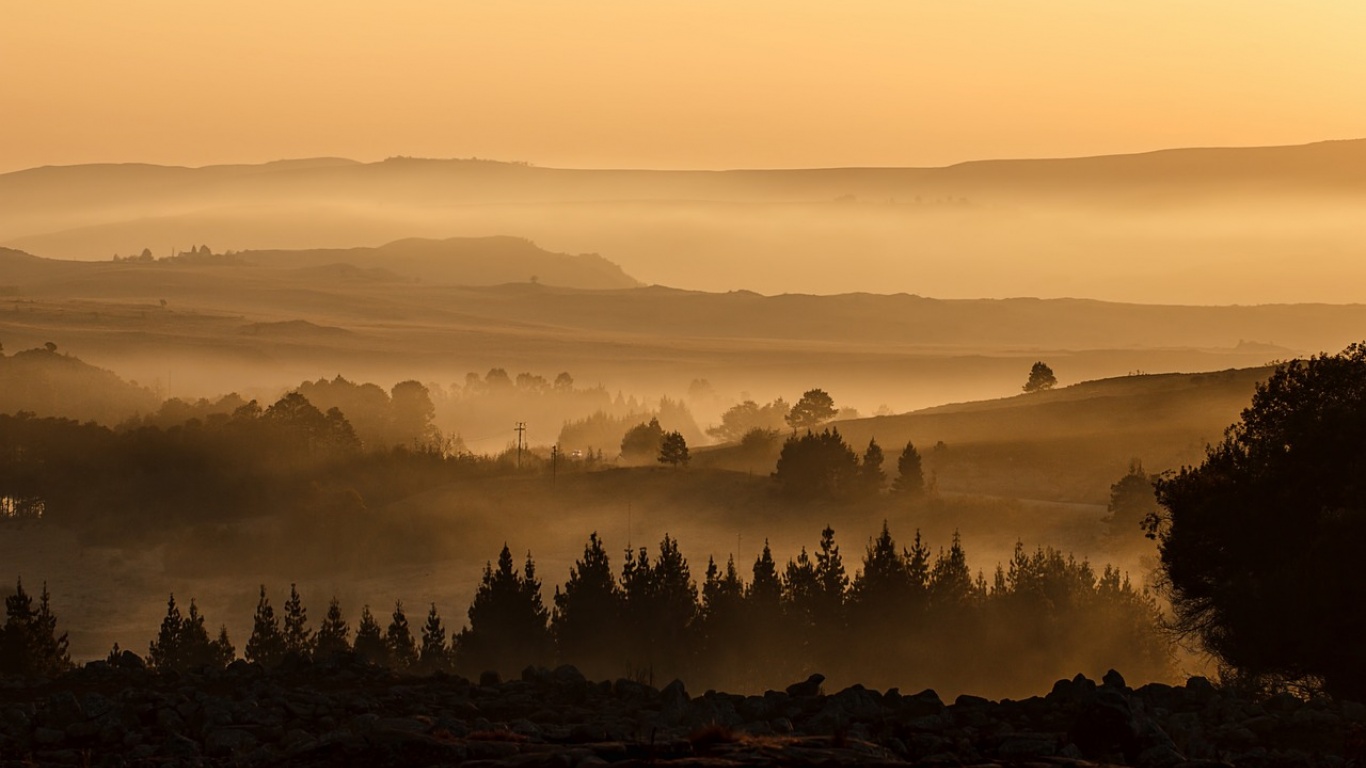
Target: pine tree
[[722, 622], [194, 638], [223, 650], [661, 606], [29, 643], [370, 645], [398, 640], [951, 584], [871, 476], [673, 449], [800, 585], [918, 563], [831, 578], [298, 638], [51, 648], [164, 652], [885, 580], [435, 653], [16, 655], [509, 625], [586, 622], [266, 646], [910, 477], [333, 634], [765, 591]]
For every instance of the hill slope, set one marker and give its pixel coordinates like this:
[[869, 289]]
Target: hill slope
[[1065, 445]]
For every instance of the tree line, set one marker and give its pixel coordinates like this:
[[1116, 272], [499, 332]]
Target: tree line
[[906, 616], [146, 480]]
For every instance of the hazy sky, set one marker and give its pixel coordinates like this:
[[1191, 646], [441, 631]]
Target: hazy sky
[[670, 83]]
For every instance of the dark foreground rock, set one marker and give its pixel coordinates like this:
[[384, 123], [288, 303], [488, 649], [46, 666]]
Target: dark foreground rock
[[343, 713]]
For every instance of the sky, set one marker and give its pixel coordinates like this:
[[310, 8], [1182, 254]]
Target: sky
[[670, 83]]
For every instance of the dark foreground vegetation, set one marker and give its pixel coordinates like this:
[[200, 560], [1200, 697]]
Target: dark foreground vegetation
[[907, 615], [340, 712]]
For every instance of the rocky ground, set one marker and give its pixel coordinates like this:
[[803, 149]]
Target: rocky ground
[[344, 713]]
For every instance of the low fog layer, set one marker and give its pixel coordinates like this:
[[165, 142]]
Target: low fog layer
[[188, 499], [206, 322]]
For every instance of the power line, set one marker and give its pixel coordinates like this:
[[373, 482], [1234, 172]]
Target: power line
[[520, 428]]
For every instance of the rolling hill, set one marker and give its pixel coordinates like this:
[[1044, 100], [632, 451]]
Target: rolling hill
[[1244, 225]]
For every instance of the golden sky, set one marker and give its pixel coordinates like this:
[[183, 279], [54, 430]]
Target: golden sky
[[670, 83]]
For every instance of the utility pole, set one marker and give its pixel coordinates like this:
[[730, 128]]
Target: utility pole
[[521, 427], [554, 462]]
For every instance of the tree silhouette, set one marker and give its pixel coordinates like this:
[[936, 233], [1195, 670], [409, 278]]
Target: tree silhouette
[[435, 654], [673, 450], [643, 441], [910, 476], [1040, 378], [1133, 500], [297, 637], [814, 408], [951, 586], [183, 642], [334, 633], [721, 619], [399, 644], [871, 476], [586, 622], [508, 622], [747, 416], [816, 466], [1259, 543], [413, 413], [660, 608], [29, 643], [266, 646], [164, 652], [370, 645], [224, 652]]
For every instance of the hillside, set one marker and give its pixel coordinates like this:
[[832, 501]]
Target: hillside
[[45, 382], [1064, 445], [453, 261], [1177, 226], [255, 318]]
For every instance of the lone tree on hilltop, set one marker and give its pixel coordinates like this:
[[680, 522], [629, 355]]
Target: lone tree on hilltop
[[1260, 543], [813, 409], [1040, 378], [673, 450]]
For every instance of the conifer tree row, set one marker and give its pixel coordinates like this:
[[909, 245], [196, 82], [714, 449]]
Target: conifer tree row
[[909, 615]]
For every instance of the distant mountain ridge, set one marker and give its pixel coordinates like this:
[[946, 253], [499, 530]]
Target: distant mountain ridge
[[461, 261], [1332, 166], [454, 261], [1192, 226]]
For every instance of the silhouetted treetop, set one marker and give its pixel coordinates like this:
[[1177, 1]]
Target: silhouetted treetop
[[1260, 542], [1040, 378], [814, 408]]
